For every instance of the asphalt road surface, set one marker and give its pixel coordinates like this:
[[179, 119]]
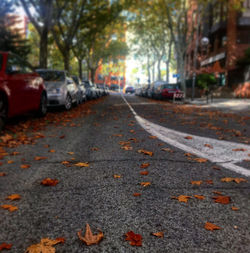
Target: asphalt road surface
[[107, 135]]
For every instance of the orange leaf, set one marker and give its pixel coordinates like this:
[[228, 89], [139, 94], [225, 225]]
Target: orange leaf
[[25, 166], [216, 192], [5, 246], [209, 181], [200, 160], [14, 197], [196, 182], [10, 161], [216, 168], [94, 149], [208, 146], [52, 151], [239, 149], [158, 234], [144, 165], [188, 154], [222, 199], [132, 131], [82, 164], [199, 197], [71, 153], [230, 179], [10, 207], [117, 135], [238, 180], [38, 158], [49, 182], [235, 208], [152, 137], [15, 153], [135, 239], [144, 173], [89, 238], [65, 162], [145, 184], [136, 194], [127, 148], [211, 226], [2, 174], [124, 143], [188, 137], [167, 149], [142, 151], [182, 198], [117, 176]]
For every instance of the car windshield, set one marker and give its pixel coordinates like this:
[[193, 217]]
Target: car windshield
[[52, 75], [169, 86]]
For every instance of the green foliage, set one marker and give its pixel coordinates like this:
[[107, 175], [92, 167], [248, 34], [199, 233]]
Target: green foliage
[[206, 81], [245, 60]]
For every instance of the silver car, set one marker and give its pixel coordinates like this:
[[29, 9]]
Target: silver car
[[61, 90]]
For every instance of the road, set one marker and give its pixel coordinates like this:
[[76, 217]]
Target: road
[[189, 143]]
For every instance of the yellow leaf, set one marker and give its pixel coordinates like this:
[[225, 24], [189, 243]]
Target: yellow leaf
[[144, 184], [82, 164]]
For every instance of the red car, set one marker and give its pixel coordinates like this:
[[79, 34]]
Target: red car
[[21, 88], [168, 90]]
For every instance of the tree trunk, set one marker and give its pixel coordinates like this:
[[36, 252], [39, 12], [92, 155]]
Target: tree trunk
[[182, 74], [43, 53], [153, 72], [159, 69], [168, 61], [92, 74], [167, 71], [66, 59], [80, 68], [148, 70]]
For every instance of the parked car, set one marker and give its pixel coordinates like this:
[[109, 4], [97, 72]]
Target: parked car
[[90, 89], [21, 88], [81, 89], [167, 90], [138, 92], [61, 90], [102, 88], [144, 90], [130, 89]]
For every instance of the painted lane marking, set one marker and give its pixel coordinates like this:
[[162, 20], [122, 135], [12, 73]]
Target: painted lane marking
[[221, 153]]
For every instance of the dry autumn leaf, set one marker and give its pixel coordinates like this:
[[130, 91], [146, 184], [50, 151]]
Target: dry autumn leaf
[[49, 182], [208, 146], [94, 149], [152, 137], [239, 149], [210, 226], [182, 198], [135, 239], [10, 207], [45, 246], [201, 197], [235, 208], [158, 234], [222, 199], [196, 182], [188, 154], [10, 162], [188, 137], [82, 164], [13, 197], [5, 246], [15, 153], [38, 158], [200, 160], [25, 166], [52, 151], [236, 179], [89, 238], [144, 165], [2, 174], [145, 152], [145, 184], [70, 153], [117, 176], [136, 194], [144, 173], [217, 193], [65, 162], [127, 148], [167, 149]]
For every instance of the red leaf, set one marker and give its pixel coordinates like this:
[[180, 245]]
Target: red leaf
[[49, 182], [5, 246], [135, 239]]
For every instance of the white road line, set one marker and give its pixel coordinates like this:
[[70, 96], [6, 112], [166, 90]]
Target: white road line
[[222, 152]]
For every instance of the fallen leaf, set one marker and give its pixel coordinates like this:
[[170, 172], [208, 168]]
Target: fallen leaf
[[10, 207], [167, 149], [94, 149], [144, 165], [136, 194], [25, 166], [211, 226], [65, 162], [2, 174], [145, 184], [135, 239], [117, 176], [38, 158], [182, 198], [89, 238], [124, 143], [6, 138], [152, 137], [49, 182], [216, 192], [62, 137], [82, 164], [188, 137], [131, 131], [45, 246], [239, 180], [216, 168], [127, 148], [142, 151], [199, 197], [239, 149], [236, 180], [13, 197], [196, 182], [235, 208], [200, 160], [5, 246], [208, 146], [144, 173], [209, 181], [52, 151], [158, 234], [222, 199], [188, 154], [10, 162], [117, 135], [15, 153]]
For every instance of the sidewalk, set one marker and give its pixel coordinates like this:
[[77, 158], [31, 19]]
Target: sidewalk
[[228, 104]]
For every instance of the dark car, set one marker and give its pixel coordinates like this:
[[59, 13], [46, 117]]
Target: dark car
[[167, 90], [90, 89], [130, 90], [21, 88]]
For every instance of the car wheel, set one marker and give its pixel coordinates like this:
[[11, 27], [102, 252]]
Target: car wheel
[[68, 102], [3, 112], [43, 105]]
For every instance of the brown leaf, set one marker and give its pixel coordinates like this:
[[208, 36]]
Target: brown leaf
[[199, 197], [135, 239], [152, 137], [117, 176], [71, 153], [136, 194], [216, 192], [2, 174], [168, 150], [82, 164], [216, 168], [236, 179], [62, 137], [38, 158], [127, 148], [235, 208], [124, 143], [144, 165], [94, 149], [145, 184], [158, 234], [65, 162], [6, 138], [5, 246], [208, 146], [49, 182], [200, 160], [52, 151], [25, 166], [188, 137], [10, 207], [239, 149], [222, 199], [211, 226], [182, 198], [15, 153], [10, 162], [89, 238], [209, 181], [145, 152], [13, 197], [117, 135], [45, 246], [196, 182], [239, 180], [188, 154], [131, 131], [144, 173]]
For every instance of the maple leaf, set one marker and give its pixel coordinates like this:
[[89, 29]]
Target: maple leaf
[[222, 199], [211, 226], [145, 184], [200, 160], [135, 239], [2, 174], [208, 146], [49, 182], [117, 176], [199, 197], [5, 246], [142, 151], [158, 234], [89, 238], [82, 164], [188, 137], [45, 246], [239, 149], [144, 173], [38, 158], [10, 207], [25, 166], [144, 165], [13, 197], [182, 198], [196, 182], [136, 194], [167, 149]]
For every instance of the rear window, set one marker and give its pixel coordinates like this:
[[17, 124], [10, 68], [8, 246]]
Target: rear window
[[169, 86], [1, 61], [52, 75]]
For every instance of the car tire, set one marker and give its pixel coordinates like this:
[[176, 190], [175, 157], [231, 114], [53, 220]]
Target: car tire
[[3, 111], [68, 102], [43, 105]]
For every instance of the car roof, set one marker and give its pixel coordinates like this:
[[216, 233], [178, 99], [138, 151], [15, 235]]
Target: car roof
[[50, 70]]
